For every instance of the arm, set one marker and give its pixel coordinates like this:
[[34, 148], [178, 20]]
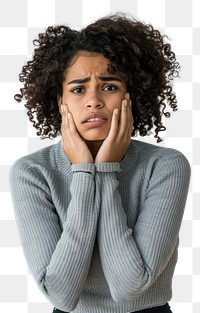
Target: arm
[[59, 260], [133, 259]]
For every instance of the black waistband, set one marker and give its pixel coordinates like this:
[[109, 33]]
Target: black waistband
[[158, 309]]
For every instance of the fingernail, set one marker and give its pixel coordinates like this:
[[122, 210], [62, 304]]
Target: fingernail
[[68, 115], [127, 96], [61, 108]]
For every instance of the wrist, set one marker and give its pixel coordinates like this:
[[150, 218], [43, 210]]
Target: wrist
[[83, 167], [108, 167]]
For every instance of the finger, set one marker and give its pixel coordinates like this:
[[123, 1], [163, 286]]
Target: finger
[[131, 115], [65, 111], [129, 126], [129, 106], [114, 124], [63, 108], [126, 122], [71, 123], [65, 131], [127, 96], [123, 118], [129, 111], [64, 117]]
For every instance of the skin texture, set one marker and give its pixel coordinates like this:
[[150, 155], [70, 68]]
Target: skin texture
[[105, 141]]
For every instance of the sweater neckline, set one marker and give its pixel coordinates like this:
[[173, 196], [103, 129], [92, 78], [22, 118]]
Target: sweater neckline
[[129, 159], [127, 162]]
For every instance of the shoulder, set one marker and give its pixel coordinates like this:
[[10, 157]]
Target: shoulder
[[47, 164], [39, 169], [39, 157], [147, 151], [161, 158], [35, 162]]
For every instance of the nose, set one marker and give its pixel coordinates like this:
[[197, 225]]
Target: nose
[[94, 100]]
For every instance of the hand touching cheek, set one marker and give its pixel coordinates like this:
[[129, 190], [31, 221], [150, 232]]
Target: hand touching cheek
[[115, 145], [73, 145]]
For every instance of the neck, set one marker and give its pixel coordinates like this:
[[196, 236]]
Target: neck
[[94, 146]]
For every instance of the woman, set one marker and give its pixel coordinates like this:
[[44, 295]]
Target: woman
[[98, 213]]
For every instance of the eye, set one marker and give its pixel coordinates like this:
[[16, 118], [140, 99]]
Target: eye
[[110, 88], [78, 90]]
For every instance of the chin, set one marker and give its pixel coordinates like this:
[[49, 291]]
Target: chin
[[95, 136], [93, 139]]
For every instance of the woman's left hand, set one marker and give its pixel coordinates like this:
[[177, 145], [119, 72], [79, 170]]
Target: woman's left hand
[[119, 137]]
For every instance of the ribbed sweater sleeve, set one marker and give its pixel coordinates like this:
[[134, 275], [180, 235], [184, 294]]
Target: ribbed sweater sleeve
[[132, 259], [59, 259]]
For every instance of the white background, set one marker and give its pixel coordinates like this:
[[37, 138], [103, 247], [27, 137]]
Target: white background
[[20, 22]]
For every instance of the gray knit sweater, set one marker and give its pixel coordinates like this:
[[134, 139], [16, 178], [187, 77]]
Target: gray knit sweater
[[101, 237]]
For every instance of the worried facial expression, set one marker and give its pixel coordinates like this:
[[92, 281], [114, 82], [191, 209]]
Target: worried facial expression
[[91, 94]]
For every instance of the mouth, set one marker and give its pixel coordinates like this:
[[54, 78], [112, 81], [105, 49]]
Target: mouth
[[91, 118], [94, 120]]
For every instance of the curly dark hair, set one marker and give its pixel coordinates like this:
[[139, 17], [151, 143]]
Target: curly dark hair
[[134, 49]]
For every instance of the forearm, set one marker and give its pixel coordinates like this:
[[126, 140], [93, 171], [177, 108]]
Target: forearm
[[121, 260], [68, 270], [132, 259], [59, 260]]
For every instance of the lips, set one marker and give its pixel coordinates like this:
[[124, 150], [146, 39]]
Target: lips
[[94, 118]]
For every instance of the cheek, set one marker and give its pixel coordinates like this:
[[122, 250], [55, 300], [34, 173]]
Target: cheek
[[71, 104], [117, 101], [76, 114], [74, 111]]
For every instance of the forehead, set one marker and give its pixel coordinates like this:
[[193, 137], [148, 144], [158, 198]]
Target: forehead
[[87, 64]]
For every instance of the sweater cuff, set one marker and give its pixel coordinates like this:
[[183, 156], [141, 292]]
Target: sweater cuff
[[108, 167], [83, 167]]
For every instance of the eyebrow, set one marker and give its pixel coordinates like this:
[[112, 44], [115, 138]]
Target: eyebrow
[[103, 78]]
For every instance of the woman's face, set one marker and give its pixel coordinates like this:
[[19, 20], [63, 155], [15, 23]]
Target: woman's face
[[91, 94]]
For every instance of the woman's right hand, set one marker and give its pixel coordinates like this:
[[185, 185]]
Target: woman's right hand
[[73, 145]]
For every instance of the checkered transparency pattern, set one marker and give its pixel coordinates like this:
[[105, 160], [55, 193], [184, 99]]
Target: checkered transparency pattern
[[20, 22]]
